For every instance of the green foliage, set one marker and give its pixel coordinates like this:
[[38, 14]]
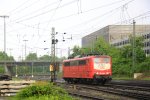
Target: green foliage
[[4, 56], [85, 51], [76, 51], [62, 58], [47, 97], [143, 66], [49, 58], [2, 70], [45, 57], [102, 47], [43, 91], [31, 56]]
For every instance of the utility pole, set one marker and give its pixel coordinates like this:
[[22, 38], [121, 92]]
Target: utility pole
[[25, 58], [6, 69], [10, 51], [53, 55], [25, 47], [4, 32], [53, 72], [133, 48], [69, 51]]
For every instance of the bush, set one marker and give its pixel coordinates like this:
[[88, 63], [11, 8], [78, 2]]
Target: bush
[[143, 67], [43, 91]]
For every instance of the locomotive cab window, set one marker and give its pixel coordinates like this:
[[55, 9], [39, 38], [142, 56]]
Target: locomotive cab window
[[82, 62], [66, 64], [73, 63], [106, 60]]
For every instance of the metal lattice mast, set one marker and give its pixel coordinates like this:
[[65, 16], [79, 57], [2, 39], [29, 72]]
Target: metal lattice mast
[[53, 53], [53, 44], [133, 48]]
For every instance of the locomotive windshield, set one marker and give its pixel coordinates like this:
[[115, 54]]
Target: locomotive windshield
[[101, 63], [101, 60]]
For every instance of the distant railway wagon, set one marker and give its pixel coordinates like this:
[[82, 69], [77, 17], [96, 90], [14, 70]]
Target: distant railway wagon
[[95, 69]]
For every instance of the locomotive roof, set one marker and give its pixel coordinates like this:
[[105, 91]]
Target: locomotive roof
[[86, 57]]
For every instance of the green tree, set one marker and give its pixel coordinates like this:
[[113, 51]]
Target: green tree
[[101, 46], [49, 58], [31, 56], [124, 63], [45, 57], [62, 58], [85, 51], [140, 55], [76, 51], [4, 56]]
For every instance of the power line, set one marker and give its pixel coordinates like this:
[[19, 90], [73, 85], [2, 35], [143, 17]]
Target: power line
[[37, 15], [52, 16], [76, 13], [26, 7], [49, 5], [54, 12], [140, 15], [4, 32], [19, 6], [97, 17], [110, 4]]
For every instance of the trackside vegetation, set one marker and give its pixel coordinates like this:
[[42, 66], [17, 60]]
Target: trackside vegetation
[[42, 91]]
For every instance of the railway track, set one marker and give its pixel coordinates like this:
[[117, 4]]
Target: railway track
[[141, 83], [139, 88], [94, 92], [122, 91]]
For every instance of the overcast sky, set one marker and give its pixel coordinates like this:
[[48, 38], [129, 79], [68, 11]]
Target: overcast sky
[[32, 20]]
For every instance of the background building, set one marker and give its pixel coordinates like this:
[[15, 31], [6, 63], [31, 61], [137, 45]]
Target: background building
[[118, 35]]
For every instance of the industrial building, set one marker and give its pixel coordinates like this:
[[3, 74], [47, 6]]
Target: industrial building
[[118, 35]]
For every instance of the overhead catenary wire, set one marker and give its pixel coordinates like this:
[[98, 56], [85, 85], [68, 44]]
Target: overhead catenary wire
[[51, 18], [86, 11], [54, 12], [76, 13], [88, 21], [24, 8], [40, 14], [33, 27], [97, 17], [64, 6], [35, 11], [18, 7]]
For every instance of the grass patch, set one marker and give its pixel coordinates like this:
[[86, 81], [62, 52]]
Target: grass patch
[[120, 77]]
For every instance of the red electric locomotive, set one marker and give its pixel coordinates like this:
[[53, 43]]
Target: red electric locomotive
[[93, 69]]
